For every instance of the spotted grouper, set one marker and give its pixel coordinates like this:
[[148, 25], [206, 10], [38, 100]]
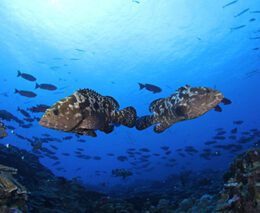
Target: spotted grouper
[[186, 103], [86, 111]]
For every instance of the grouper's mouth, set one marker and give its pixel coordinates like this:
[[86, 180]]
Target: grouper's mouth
[[43, 122], [219, 96]]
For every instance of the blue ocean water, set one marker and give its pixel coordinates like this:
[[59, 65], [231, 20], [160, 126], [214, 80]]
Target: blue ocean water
[[111, 46]]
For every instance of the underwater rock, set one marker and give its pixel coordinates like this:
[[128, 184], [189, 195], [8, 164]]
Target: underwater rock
[[46, 192], [186, 204], [241, 192], [13, 196]]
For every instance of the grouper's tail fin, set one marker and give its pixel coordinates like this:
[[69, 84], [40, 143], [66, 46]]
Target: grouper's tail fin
[[126, 117], [144, 122]]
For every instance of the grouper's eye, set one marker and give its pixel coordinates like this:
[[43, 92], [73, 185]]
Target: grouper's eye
[[56, 112]]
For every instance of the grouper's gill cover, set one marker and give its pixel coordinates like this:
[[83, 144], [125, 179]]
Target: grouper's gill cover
[[88, 111], [186, 103], [64, 115]]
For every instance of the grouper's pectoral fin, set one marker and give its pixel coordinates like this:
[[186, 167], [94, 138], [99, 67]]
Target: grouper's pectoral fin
[[107, 129], [88, 132], [161, 127], [226, 101], [144, 122]]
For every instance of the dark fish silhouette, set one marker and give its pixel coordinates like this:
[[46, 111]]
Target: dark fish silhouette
[[238, 122], [39, 108], [210, 142], [97, 158], [242, 12], [46, 86], [144, 150], [221, 133], [219, 138], [165, 148], [255, 38], [150, 87], [230, 3], [237, 28], [80, 50], [186, 103], [26, 76], [86, 111], [29, 119], [5, 115], [122, 158], [234, 131], [124, 173], [23, 112], [67, 137], [28, 94]]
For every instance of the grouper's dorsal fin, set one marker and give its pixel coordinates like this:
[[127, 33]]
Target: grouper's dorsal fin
[[154, 105], [89, 93], [112, 102]]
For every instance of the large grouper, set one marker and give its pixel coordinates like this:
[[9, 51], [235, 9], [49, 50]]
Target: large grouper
[[86, 111], [186, 103]]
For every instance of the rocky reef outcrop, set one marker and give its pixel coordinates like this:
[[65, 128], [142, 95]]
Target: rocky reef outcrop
[[241, 192], [31, 187], [13, 196]]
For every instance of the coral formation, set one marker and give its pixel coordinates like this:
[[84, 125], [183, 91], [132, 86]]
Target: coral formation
[[45, 191], [241, 192], [13, 195]]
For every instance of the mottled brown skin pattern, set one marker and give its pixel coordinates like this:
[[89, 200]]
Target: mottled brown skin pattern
[[186, 103], [86, 111]]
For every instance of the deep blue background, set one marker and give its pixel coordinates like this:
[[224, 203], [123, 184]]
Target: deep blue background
[[166, 43]]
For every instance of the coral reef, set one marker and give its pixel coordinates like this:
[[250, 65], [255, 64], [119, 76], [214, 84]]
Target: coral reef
[[241, 192], [46, 192], [199, 192], [13, 195]]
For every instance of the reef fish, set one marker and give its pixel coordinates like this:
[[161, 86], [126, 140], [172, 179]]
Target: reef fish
[[242, 12], [85, 111], [25, 113], [230, 3], [186, 103], [39, 108], [150, 87], [25, 93], [124, 173], [45, 86], [26, 76]]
